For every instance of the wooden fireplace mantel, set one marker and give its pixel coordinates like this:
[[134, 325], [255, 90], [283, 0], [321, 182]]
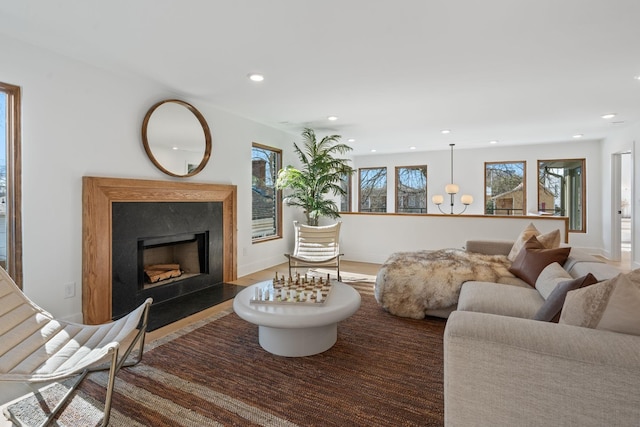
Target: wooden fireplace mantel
[[97, 196]]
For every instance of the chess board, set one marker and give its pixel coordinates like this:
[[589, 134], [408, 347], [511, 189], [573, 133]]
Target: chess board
[[295, 293]]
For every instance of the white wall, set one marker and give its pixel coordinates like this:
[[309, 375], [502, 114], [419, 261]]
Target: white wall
[[469, 175], [78, 120]]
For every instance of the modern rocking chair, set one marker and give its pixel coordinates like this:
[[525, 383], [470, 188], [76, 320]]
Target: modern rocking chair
[[35, 347], [316, 246]]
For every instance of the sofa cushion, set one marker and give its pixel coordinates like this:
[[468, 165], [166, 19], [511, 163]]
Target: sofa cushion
[[549, 278], [580, 263], [611, 305], [533, 258], [550, 310], [504, 300], [529, 230]]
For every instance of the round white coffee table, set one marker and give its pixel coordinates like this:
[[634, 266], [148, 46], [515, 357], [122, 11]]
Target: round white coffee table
[[298, 330]]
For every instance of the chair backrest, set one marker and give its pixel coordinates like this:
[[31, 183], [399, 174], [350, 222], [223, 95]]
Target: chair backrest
[[317, 242]]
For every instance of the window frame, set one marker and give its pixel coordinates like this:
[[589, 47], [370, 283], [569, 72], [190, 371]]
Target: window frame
[[524, 186], [386, 183], [14, 181], [278, 194], [397, 189], [583, 191]]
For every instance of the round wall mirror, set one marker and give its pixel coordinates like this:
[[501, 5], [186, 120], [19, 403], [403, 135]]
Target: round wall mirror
[[176, 138]]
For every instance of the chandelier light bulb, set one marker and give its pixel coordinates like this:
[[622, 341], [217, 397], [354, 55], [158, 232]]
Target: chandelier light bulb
[[451, 188], [466, 199]]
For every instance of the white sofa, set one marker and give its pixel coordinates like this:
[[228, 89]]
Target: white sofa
[[503, 369]]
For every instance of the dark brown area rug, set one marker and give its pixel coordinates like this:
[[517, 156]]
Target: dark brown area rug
[[383, 371]]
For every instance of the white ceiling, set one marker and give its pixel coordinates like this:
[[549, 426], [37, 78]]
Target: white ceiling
[[395, 72]]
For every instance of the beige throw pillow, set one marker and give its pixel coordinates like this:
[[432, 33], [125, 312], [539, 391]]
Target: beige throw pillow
[[550, 240], [550, 277], [530, 230], [611, 305]]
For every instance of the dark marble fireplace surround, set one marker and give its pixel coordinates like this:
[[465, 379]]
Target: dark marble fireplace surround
[[134, 223]]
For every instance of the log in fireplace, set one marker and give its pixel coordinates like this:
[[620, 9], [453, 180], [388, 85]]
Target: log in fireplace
[[129, 223]]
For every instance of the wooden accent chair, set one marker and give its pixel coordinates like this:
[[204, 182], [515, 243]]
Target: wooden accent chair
[[36, 347], [316, 246]]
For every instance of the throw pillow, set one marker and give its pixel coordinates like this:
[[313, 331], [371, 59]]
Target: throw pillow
[[533, 258], [530, 230], [550, 277], [611, 305], [550, 240], [550, 310]]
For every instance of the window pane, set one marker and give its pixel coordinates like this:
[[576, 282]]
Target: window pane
[[373, 190], [411, 189], [505, 188], [265, 199], [562, 189], [345, 199]]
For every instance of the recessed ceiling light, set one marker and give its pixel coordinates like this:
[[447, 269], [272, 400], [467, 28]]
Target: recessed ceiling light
[[373, 150], [609, 116], [445, 131], [412, 148], [637, 77], [332, 118], [493, 142], [174, 148], [578, 135], [351, 140], [255, 77]]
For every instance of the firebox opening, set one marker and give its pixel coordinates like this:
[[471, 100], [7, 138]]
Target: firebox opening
[[168, 259]]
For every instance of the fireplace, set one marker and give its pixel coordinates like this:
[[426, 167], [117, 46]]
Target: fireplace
[[163, 250], [129, 224]]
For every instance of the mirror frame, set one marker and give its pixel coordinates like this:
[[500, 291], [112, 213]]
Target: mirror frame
[[205, 128]]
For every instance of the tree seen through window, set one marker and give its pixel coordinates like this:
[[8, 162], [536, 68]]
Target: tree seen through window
[[373, 190], [411, 189]]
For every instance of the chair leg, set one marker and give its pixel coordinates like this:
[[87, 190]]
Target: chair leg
[[110, 384]]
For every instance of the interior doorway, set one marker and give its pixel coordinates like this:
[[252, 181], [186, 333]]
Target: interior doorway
[[621, 213]]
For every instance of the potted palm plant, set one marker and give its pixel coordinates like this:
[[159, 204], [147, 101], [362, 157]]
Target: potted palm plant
[[320, 175]]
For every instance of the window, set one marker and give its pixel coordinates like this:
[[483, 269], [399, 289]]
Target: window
[[10, 182], [505, 188], [373, 190], [562, 189], [345, 199], [411, 189], [266, 215]]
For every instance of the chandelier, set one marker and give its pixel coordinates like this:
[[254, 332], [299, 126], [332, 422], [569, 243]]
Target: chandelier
[[452, 189]]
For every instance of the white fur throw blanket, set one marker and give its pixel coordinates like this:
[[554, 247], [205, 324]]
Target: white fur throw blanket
[[409, 283]]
